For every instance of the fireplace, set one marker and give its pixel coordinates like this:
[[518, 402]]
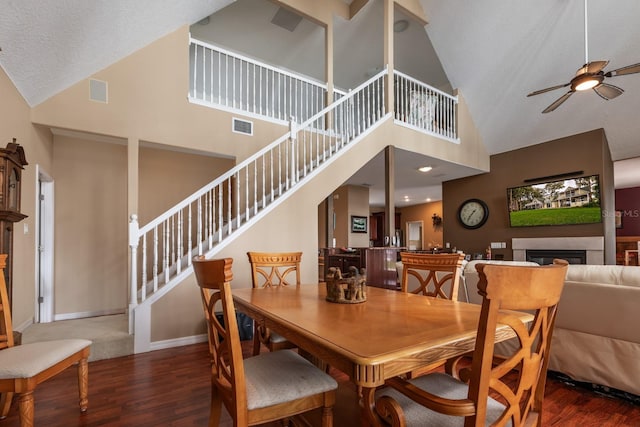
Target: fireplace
[[592, 246], [546, 256]]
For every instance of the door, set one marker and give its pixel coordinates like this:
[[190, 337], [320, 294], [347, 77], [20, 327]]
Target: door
[[44, 248], [414, 235]]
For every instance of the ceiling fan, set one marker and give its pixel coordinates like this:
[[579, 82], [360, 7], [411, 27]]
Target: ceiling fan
[[590, 76]]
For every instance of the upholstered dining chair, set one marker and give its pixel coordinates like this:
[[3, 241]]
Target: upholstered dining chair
[[435, 275], [270, 269], [23, 367], [491, 391], [263, 388]]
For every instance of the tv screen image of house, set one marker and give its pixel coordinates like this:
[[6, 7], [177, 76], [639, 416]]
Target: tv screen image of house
[[560, 202]]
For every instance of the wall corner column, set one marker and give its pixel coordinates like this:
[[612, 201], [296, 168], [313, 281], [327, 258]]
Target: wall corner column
[[388, 54]]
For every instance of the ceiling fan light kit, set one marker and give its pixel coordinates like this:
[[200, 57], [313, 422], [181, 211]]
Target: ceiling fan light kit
[[590, 76]]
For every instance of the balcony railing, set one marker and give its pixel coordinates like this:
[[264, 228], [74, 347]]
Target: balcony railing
[[425, 108], [231, 81]]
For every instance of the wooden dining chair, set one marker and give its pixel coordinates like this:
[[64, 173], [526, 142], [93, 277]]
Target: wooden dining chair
[[23, 367], [491, 391], [435, 275], [264, 388], [270, 269]]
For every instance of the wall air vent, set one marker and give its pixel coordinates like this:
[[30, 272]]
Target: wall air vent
[[97, 90], [242, 126]]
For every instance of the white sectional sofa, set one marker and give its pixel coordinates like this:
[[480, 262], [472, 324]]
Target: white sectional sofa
[[597, 331]]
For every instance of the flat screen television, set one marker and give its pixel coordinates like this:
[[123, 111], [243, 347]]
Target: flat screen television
[[559, 202]]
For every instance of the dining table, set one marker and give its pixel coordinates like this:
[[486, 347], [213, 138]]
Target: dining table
[[390, 334]]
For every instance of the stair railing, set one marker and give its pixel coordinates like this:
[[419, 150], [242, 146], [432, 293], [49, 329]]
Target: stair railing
[[162, 250]]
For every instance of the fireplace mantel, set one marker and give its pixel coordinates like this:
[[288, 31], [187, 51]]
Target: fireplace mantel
[[594, 245]]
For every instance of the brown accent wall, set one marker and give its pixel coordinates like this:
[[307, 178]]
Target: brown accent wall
[[587, 152]]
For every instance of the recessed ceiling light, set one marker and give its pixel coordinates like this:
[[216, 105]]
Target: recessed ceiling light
[[425, 168]]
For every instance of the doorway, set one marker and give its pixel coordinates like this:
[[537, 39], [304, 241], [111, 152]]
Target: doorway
[[414, 235], [44, 247]]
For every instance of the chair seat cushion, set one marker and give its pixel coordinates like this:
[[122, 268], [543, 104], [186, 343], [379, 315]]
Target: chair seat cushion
[[442, 385], [282, 376], [276, 338], [28, 360]]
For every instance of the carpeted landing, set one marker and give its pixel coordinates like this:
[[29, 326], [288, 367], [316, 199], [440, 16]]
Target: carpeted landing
[[110, 334]]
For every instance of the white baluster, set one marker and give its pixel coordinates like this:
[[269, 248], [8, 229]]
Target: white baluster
[[156, 258]]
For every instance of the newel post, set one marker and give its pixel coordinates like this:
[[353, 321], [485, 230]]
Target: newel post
[[133, 278]]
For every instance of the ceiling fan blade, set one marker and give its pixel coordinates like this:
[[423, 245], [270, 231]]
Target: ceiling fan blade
[[594, 67], [608, 91], [629, 69], [538, 92], [558, 102]]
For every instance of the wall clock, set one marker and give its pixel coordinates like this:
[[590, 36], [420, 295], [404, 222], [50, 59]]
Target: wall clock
[[473, 213]]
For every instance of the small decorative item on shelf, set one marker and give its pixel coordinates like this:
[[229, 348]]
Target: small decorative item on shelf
[[348, 289]]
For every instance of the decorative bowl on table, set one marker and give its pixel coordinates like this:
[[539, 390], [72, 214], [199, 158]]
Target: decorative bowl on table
[[349, 288]]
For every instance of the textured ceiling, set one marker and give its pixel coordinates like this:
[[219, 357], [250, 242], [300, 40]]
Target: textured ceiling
[[48, 46], [494, 51]]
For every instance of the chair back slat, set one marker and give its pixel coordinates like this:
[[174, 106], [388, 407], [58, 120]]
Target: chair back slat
[[274, 268], [437, 275]]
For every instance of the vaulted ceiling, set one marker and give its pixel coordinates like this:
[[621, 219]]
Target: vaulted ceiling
[[494, 51]]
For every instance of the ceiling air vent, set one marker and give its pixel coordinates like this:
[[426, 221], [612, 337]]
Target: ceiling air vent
[[242, 126], [286, 19]]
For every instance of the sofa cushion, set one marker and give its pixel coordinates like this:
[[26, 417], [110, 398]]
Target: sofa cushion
[[609, 274], [600, 309]]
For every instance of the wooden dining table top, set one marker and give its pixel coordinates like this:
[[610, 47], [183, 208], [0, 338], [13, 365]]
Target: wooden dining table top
[[389, 334]]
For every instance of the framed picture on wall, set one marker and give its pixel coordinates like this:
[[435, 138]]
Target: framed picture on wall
[[358, 224], [618, 219]]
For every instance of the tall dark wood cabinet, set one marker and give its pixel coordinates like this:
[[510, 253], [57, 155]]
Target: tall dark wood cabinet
[[12, 162], [376, 227]]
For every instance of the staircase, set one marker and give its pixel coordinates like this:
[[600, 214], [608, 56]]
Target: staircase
[[204, 223], [213, 217]]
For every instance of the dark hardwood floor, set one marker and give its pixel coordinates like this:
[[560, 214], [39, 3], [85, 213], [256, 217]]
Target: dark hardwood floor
[[171, 388]]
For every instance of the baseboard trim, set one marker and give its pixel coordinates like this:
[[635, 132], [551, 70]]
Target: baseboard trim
[[178, 342], [83, 314], [24, 325]]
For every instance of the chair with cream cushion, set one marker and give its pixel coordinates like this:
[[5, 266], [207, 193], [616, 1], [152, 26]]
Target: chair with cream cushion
[[491, 391], [435, 275], [263, 388], [270, 269], [23, 367]]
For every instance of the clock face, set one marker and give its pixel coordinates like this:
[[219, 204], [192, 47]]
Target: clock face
[[473, 213]]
